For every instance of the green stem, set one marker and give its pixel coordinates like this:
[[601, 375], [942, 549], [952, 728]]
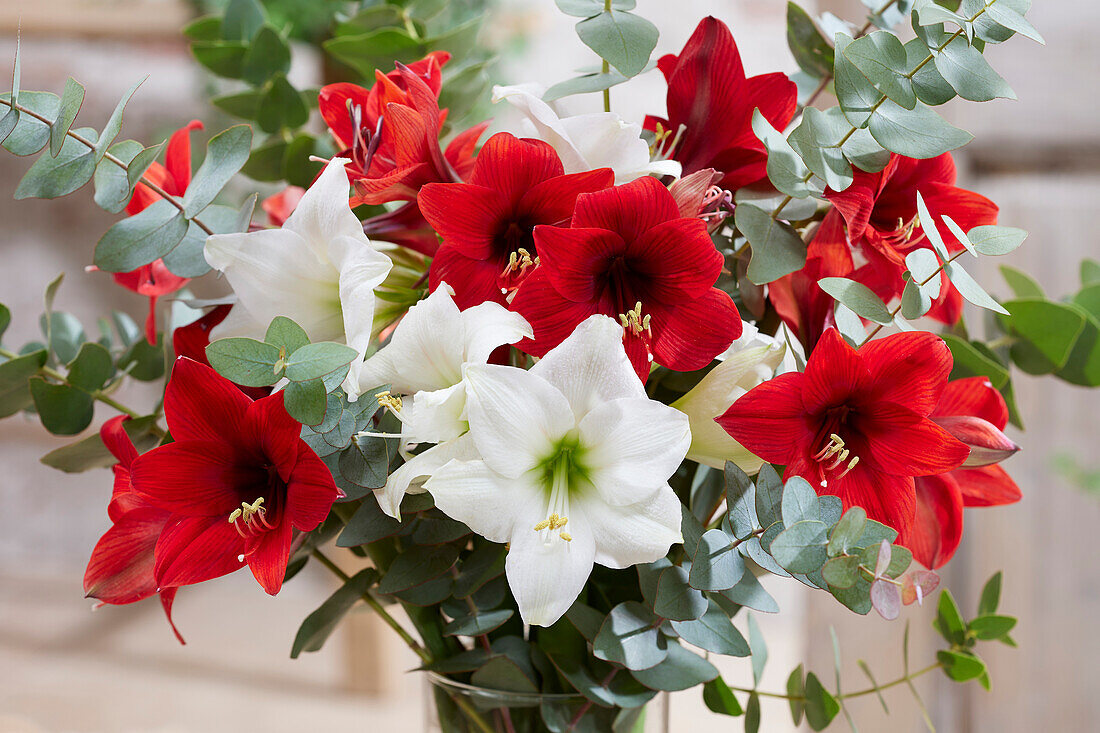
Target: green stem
[[378, 608], [606, 67], [859, 34], [860, 693], [108, 156], [882, 100], [98, 395], [467, 708], [897, 308]]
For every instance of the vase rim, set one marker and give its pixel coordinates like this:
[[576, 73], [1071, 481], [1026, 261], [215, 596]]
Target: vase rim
[[513, 695]]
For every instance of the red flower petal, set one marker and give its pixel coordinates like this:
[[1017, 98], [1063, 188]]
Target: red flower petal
[[900, 441], [938, 523], [473, 281], [835, 373], [688, 336], [552, 201], [627, 210], [575, 261], [908, 368], [678, 259], [770, 421], [986, 486], [512, 166], [280, 434], [468, 217], [333, 103], [167, 598], [199, 404], [707, 94], [177, 157], [121, 567], [118, 442], [552, 316], [196, 549], [269, 558], [310, 491], [197, 478], [460, 151]]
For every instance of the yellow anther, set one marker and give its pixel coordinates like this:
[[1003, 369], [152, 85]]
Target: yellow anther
[[554, 522], [635, 322], [234, 516], [544, 524], [851, 464], [392, 401], [567, 537], [519, 260]]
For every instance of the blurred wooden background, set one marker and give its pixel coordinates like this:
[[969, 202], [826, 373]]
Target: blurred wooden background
[[62, 669]]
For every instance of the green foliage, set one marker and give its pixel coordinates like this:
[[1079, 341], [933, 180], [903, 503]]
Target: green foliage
[[621, 38], [858, 297], [776, 247], [319, 625], [810, 49]]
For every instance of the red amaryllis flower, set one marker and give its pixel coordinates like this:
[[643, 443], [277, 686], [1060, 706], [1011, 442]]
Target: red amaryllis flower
[[390, 132], [855, 424], [486, 224], [709, 95], [880, 212], [237, 481], [120, 570], [154, 280], [629, 254], [976, 413]]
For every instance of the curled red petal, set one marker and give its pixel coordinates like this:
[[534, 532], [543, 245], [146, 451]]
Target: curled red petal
[[938, 522], [770, 420], [986, 486], [199, 404]]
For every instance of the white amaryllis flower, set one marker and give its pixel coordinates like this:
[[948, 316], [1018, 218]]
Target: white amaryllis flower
[[319, 270], [750, 360], [572, 468], [423, 363], [588, 141]]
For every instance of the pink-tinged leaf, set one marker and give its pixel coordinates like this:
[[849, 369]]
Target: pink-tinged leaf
[[886, 599], [916, 584], [883, 561]]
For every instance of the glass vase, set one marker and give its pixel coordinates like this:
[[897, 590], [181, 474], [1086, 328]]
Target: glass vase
[[457, 707]]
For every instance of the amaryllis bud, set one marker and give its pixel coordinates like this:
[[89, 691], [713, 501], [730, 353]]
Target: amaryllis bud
[[987, 444], [691, 191]]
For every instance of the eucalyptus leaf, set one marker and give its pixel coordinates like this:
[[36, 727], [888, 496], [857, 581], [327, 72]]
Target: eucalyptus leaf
[[225, 154], [52, 177], [319, 625], [141, 239], [858, 297], [621, 38]]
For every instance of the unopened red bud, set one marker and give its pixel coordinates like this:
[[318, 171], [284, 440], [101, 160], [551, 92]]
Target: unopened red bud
[[987, 444]]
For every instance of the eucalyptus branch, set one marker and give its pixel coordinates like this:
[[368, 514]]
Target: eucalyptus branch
[[588, 703], [145, 181], [882, 100], [859, 34], [925, 281], [98, 395], [906, 679], [606, 67]]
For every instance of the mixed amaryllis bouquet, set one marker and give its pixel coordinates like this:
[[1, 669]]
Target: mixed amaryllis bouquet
[[567, 390]]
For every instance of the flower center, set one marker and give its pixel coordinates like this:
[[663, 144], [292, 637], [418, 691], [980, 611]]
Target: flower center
[[562, 474], [390, 400], [831, 456], [364, 144], [664, 142], [518, 261], [903, 232], [250, 519]]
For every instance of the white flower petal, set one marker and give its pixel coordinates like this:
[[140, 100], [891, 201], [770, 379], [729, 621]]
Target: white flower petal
[[605, 140], [544, 118], [632, 446], [636, 533], [488, 503], [436, 416], [274, 273], [741, 371], [418, 468], [489, 325], [516, 417], [547, 577], [425, 351], [590, 366], [324, 212]]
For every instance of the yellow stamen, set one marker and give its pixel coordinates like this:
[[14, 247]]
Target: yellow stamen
[[392, 401], [635, 322]]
